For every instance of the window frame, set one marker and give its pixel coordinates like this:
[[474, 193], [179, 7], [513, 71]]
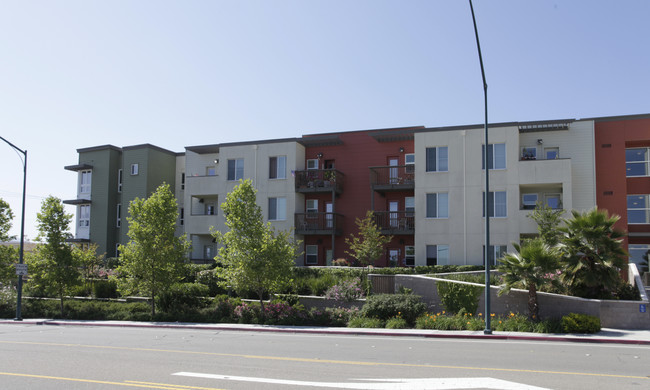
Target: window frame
[[313, 161], [85, 181], [84, 216], [437, 159], [278, 166], [645, 163], [552, 149], [633, 248], [313, 209], [135, 169], [525, 205], [119, 215], [276, 205], [439, 248], [313, 255], [494, 204], [437, 202], [529, 152], [493, 161], [236, 170], [120, 174], [409, 255], [495, 251], [645, 209]]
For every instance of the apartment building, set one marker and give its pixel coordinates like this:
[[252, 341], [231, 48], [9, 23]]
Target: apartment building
[[108, 179], [623, 176], [424, 185]]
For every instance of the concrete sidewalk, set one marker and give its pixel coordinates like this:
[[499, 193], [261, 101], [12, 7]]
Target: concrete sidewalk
[[611, 336]]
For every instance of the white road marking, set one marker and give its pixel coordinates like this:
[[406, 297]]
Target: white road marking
[[384, 384]]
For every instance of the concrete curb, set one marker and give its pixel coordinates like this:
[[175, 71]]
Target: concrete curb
[[596, 339]]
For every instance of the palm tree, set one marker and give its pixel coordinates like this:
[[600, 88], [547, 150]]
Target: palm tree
[[593, 254], [530, 267]]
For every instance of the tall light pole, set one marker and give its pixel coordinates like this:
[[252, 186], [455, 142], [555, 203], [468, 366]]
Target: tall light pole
[[22, 232], [486, 197]]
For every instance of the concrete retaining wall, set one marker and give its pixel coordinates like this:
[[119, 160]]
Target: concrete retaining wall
[[323, 303]]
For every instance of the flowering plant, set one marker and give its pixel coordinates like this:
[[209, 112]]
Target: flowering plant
[[347, 290]]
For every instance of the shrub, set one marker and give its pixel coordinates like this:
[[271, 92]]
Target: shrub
[[340, 263], [514, 323], [458, 296], [580, 323], [182, 297], [248, 313], [207, 277], [320, 284], [365, 322], [346, 290], [627, 292], [105, 288], [284, 314], [7, 301], [385, 306], [396, 323], [224, 308]]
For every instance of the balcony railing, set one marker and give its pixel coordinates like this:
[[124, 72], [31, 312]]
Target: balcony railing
[[319, 180], [395, 222], [318, 223], [392, 178]]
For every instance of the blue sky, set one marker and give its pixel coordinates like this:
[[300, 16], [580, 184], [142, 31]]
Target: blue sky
[[82, 73]]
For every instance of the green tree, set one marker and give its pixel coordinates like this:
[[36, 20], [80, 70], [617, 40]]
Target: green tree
[[532, 265], [253, 256], [53, 268], [369, 245], [154, 258], [548, 221], [8, 254], [89, 263], [593, 255]]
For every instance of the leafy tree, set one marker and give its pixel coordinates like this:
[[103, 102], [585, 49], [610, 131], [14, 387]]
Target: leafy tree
[[548, 221], [593, 254], [53, 267], [89, 263], [531, 266], [369, 245], [253, 255], [154, 258], [8, 254]]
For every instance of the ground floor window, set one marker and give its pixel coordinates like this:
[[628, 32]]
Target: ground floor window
[[409, 256], [637, 251], [437, 254], [311, 254], [494, 253]]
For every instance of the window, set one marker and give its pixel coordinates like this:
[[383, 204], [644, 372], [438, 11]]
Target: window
[[85, 180], [409, 206], [437, 159], [438, 205], [437, 254], [553, 201], [119, 180], [528, 201], [529, 153], [236, 169], [211, 171], [84, 215], [182, 217], [183, 181], [278, 167], [551, 153], [207, 252], [210, 209], [637, 251], [638, 209], [312, 205], [117, 250], [495, 252], [277, 209], [409, 256], [119, 215], [312, 164], [409, 161], [497, 202], [134, 169], [637, 162], [496, 156], [311, 254]]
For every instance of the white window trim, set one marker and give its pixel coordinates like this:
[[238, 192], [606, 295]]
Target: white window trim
[[437, 170], [120, 174], [307, 247], [135, 168], [281, 174], [638, 208], [523, 204], [236, 160], [646, 162], [523, 156], [119, 215], [437, 206], [505, 157], [314, 162], [494, 204], [85, 186], [278, 217]]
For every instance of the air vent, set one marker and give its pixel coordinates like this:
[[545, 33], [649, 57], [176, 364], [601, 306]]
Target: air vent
[[606, 145], [607, 193]]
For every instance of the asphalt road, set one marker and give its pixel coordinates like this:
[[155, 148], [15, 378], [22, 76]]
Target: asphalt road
[[51, 357]]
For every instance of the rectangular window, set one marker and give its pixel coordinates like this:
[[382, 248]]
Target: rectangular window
[[84, 215], [207, 252], [638, 209], [183, 181], [637, 251], [85, 181], [438, 205], [496, 156], [312, 164], [409, 161], [553, 201], [409, 256], [437, 159], [182, 217], [551, 153], [311, 254], [211, 171], [277, 209], [278, 167], [236, 169], [134, 169], [528, 201], [119, 215], [529, 153], [495, 253], [637, 162], [312, 205], [437, 254], [119, 180], [497, 204]]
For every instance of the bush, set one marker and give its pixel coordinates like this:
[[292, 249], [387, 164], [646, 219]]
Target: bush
[[183, 297], [365, 322], [105, 288], [248, 313], [224, 308], [386, 306], [319, 285], [207, 277], [458, 296], [338, 316], [284, 314], [396, 323], [627, 292], [580, 323], [346, 290]]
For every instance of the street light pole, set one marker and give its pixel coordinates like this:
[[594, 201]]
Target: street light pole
[[486, 197], [19, 287]]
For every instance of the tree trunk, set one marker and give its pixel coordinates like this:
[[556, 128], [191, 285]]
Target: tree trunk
[[61, 300], [533, 307], [262, 314]]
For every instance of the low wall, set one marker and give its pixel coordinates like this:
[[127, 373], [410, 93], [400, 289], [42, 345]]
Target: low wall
[[322, 303], [612, 314]]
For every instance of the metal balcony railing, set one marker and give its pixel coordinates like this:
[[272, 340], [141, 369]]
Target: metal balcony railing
[[395, 222], [319, 180], [392, 178], [318, 223]]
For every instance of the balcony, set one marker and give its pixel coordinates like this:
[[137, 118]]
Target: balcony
[[545, 171], [319, 180], [395, 222], [319, 223], [392, 178]]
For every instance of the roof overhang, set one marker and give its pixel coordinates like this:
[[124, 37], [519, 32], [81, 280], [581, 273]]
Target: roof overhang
[[76, 202], [78, 167], [320, 140]]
